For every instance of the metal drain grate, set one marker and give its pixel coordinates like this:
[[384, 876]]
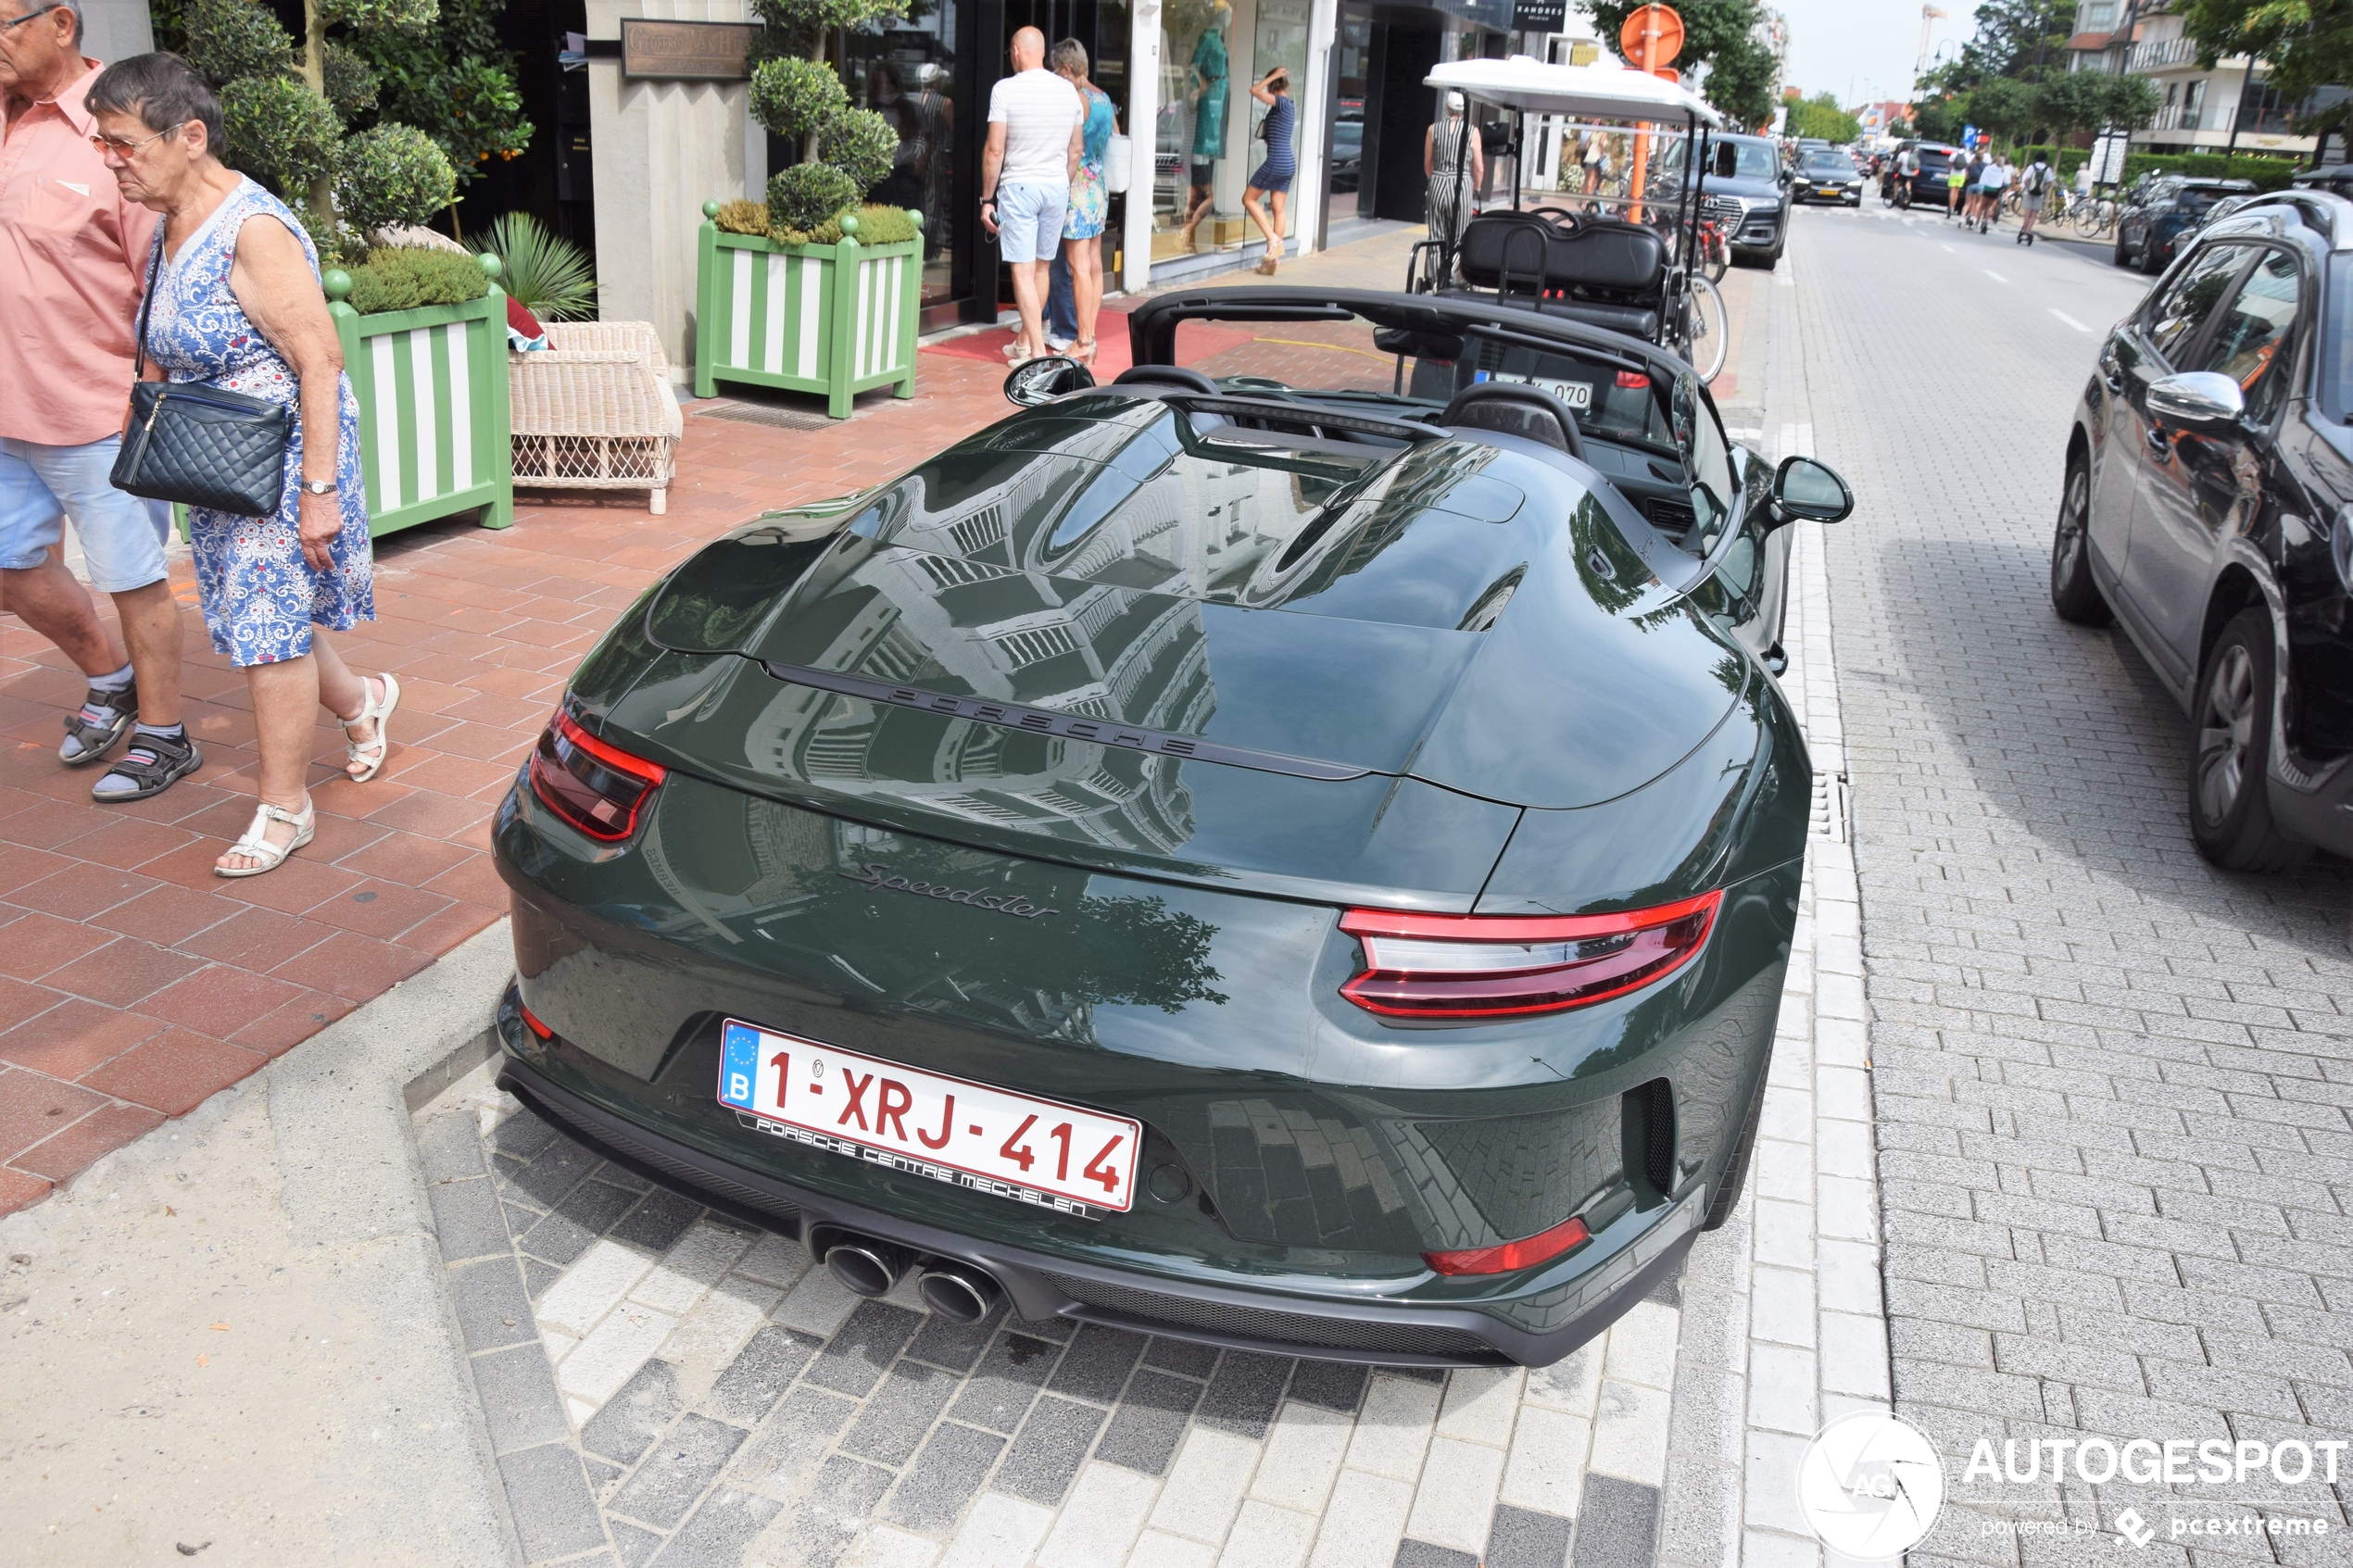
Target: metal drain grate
[[767, 414], [1832, 808]]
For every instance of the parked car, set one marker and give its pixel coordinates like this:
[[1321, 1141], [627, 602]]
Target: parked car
[[1928, 186], [2226, 207], [1144, 863], [2208, 507], [1829, 176], [1745, 189], [1348, 151], [2161, 215]]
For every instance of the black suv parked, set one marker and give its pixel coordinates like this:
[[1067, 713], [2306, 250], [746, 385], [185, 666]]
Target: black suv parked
[[2161, 215], [1928, 186], [2209, 506]]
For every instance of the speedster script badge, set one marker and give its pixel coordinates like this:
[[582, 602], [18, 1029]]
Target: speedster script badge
[[1012, 904]]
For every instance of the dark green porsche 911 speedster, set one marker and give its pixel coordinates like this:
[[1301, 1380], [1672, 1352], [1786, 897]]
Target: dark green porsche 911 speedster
[[1295, 848]]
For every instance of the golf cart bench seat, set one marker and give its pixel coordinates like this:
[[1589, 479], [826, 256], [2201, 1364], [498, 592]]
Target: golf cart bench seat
[[1632, 320], [1603, 271], [1512, 251]]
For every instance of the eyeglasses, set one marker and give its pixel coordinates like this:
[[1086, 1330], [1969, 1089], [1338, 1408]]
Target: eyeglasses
[[121, 149], [20, 21]]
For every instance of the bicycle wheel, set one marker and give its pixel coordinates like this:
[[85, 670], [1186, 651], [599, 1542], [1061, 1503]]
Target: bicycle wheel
[[2087, 219], [1707, 330]]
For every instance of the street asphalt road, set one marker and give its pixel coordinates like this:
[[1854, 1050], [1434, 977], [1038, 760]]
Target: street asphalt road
[[2111, 1081]]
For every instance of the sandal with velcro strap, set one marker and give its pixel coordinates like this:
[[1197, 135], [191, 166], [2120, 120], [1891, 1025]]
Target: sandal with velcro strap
[[256, 844], [153, 764], [371, 753], [121, 709]]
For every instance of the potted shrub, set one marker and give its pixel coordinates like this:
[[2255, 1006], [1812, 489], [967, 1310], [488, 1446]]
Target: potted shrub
[[425, 341], [811, 291]]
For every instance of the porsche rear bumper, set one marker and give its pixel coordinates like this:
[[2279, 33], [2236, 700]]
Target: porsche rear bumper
[[1337, 1328]]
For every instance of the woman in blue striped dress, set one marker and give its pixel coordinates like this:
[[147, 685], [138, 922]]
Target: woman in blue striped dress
[[1273, 177]]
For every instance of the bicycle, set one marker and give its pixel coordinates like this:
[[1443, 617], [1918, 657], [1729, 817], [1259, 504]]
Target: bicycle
[[2094, 216], [1715, 250], [1705, 338]]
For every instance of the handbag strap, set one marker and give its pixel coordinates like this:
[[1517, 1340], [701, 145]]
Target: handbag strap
[[147, 304]]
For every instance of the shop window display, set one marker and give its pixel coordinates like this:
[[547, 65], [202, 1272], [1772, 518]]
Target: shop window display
[[1204, 144], [904, 71]]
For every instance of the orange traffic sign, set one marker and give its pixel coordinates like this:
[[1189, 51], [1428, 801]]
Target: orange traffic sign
[[1652, 35]]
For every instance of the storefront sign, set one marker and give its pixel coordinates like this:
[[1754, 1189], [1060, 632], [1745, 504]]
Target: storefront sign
[[684, 51], [1539, 16]]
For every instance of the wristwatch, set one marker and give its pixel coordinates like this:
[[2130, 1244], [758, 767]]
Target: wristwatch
[[319, 486]]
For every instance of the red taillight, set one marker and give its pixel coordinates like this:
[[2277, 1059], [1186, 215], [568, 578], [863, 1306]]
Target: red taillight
[[1527, 1252], [592, 784], [1492, 966], [530, 1022], [1633, 381]]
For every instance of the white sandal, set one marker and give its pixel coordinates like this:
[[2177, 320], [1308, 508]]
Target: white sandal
[[372, 752], [257, 845]]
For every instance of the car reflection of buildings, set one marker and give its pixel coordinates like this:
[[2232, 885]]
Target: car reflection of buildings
[[1114, 631]]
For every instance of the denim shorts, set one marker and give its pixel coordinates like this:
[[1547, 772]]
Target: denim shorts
[[122, 535], [1029, 221]]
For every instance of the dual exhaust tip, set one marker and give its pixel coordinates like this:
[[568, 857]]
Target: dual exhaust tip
[[868, 1267]]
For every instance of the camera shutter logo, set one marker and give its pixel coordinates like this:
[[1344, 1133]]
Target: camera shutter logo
[[1870, 1484]]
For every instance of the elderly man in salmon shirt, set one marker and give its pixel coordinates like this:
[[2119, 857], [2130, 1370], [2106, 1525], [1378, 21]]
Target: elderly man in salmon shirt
[[73, 260]]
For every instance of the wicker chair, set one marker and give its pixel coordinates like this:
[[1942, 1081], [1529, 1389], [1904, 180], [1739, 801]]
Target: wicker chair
[[595, 410]]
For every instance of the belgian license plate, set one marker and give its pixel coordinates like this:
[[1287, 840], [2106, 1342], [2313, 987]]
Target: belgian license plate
[[1578, 394], [929, 1125]]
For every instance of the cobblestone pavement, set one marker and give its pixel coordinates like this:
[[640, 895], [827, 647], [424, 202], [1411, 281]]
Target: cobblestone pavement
[[2111, 1083]]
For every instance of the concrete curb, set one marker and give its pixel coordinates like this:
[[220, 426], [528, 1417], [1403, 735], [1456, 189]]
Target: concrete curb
[[342, 1424]]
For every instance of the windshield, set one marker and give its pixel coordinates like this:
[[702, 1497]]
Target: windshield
[[1743, 160], [1356, 360], [1828, 163]]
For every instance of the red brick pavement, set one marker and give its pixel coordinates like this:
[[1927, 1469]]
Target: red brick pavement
[[134, 984]]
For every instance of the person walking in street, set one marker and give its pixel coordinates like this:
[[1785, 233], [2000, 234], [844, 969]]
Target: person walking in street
[[1596, 160], [1037, 125], [1075, 295], [235, 304], [1270, 181], [2033, 188], [1445, 150], [72, 258], [1955, 185]]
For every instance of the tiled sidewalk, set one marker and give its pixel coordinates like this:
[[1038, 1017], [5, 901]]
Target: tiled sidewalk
[[133, 983]]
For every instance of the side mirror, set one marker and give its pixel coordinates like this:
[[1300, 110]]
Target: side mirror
[[2198, 401], [1803, 487], [1043, 379]]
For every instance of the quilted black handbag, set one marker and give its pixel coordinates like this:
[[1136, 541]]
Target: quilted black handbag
[[198, 444]]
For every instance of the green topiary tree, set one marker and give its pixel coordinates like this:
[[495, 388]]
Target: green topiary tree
[[279, 132], [421, 82], [391, 176], [796, 94]]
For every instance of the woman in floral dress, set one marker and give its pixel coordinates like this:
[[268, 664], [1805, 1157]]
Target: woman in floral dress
[[1089, 197], [237, 304]]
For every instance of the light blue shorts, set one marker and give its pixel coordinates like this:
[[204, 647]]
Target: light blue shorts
[[122, 535], [1029, 221]]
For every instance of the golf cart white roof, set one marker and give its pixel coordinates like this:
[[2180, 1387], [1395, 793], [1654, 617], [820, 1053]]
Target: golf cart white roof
[[1594, 91]]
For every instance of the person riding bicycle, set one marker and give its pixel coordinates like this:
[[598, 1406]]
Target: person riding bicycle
[[1907, 168]]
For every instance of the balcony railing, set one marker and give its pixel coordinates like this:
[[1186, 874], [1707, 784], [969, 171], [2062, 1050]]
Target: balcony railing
[[2177, 117], [2162, 53]]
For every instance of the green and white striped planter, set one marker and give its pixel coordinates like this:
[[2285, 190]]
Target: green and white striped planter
[[435, 434], [836, 319]]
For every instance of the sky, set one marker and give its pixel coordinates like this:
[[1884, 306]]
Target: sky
[[1864, 50]]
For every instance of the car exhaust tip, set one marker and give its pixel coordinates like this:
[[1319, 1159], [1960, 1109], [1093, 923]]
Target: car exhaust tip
[[959, 1295], [865, 1267]]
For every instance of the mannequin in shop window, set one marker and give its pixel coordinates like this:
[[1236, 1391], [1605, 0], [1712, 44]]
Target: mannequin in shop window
[[1208, 94]]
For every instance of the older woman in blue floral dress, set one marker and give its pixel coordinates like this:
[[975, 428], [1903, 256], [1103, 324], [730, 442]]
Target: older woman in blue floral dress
[[237, 304]]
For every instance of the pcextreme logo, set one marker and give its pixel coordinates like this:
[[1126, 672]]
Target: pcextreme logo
[[1871, 1485]]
